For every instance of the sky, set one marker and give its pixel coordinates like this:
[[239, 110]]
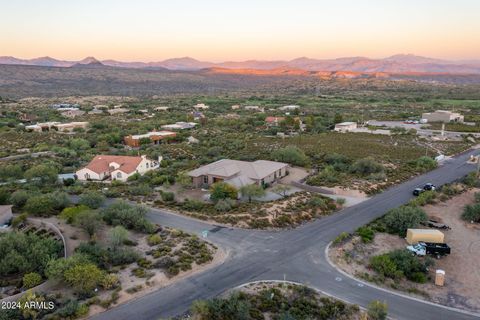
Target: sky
[[215, 30]]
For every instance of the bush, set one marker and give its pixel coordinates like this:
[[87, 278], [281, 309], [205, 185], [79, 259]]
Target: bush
[[400, 219], [292, 155], [222, 190], [83, 278], [366, 234], [71, 213], [377, 310], [110, 281], [477, 197], [471, 213], [41, 205], [425, 164], [341, 237], [224, 205], [19, 198], [366, 166], [427, 197], [168, 196], [18, 220], [93, 200], [383, 265], [128, 216], [154, 239], [31, 280]]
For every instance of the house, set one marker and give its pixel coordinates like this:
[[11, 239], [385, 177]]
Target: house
[[5, 214], [42, 126], [345, 126], [73, 113], [289, 108], [239, 173], [442, 116], [155, 137], [71, 126], [161, 108], [235, 107], [95, 111], [254, 108], [196, 115], [200, 106], [106, 167], [179, 126], [274, 121], [117, 110], [25, 117], [65, 106]]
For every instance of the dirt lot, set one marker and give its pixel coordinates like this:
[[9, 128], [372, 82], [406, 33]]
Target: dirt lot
[[462, 282]]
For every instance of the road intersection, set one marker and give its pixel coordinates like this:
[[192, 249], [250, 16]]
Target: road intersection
[[296, 255]]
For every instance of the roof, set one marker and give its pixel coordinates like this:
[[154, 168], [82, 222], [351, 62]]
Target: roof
[[5, 210], [274, 119], [154, 133], [345, 123], [425, 231], [228, 168], [101, 163]]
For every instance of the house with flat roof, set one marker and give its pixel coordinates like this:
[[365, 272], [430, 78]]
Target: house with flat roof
[[442, 116], [107, 167], [201, 106], [155, 137], [71, 126], [345, 126], [239, 173], [179, 126]]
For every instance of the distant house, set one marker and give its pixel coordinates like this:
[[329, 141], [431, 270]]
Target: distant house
[[42, 126], [73, 113], [5, 214], [179, 126], [71, 126], [254, 108], [25, 117], [200, 106], [239, 173], [155, 137], [65, 106], [118, 110], [161, 108], [106, 167], [95, 111], [289, 108], [235, 107], [274, 121], [345, 126], [442, 116]]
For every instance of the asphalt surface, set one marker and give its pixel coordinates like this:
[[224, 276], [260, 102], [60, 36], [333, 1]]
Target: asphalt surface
[[295, 255]]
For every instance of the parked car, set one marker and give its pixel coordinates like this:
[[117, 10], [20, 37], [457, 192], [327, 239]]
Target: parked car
[[418, 191], [424, 248], [429, 187]]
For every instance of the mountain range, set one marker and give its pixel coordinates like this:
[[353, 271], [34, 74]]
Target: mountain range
[[397, 64]]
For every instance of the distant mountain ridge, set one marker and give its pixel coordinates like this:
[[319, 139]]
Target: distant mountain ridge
[[401, 63]]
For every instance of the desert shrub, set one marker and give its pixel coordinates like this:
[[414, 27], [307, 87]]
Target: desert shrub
[[425, 164], [341, 237], [366, 234], [224, 205], [193, 205], [366, 166], [400, 219], [109, 281], [93, 200], [222, 190], [427, 197], [41, 205], [383, 265], [128, 216], [341, 201], [471, 180], [471, 213], [377, 310], [168, 196], [338, 161], [399, 263], [140, 190], [31, 280], [154, 239], [20, 219], [19, 198], [292, 155], [83, 278], [69, 214], [477, 197]]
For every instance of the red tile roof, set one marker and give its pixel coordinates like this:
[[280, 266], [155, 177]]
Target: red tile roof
[[101, 163]]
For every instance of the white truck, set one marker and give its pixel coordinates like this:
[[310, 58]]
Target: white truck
[[424, 248]]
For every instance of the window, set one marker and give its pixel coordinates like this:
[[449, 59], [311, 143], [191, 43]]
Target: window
[[119, 175], [205, 179], [147, 165], [280, 172]]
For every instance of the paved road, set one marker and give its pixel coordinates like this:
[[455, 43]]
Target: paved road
[[297, 254]]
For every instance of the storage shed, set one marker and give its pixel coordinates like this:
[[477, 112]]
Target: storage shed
[[424, 235]]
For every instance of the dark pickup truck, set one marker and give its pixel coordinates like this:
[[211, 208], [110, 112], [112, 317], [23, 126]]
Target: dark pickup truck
[[434, 249]]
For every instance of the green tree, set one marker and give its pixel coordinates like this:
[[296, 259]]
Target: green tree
[[400, 219], [252, 190], [42, 174], [84, 278], [425, 164], [19, 198], [366, 166], [338, 118], [128, 216], [91, 199], [222, 190], [471, 213], [89, 221], [41, 205], [281, 189], [377, 310], [291, 155]]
